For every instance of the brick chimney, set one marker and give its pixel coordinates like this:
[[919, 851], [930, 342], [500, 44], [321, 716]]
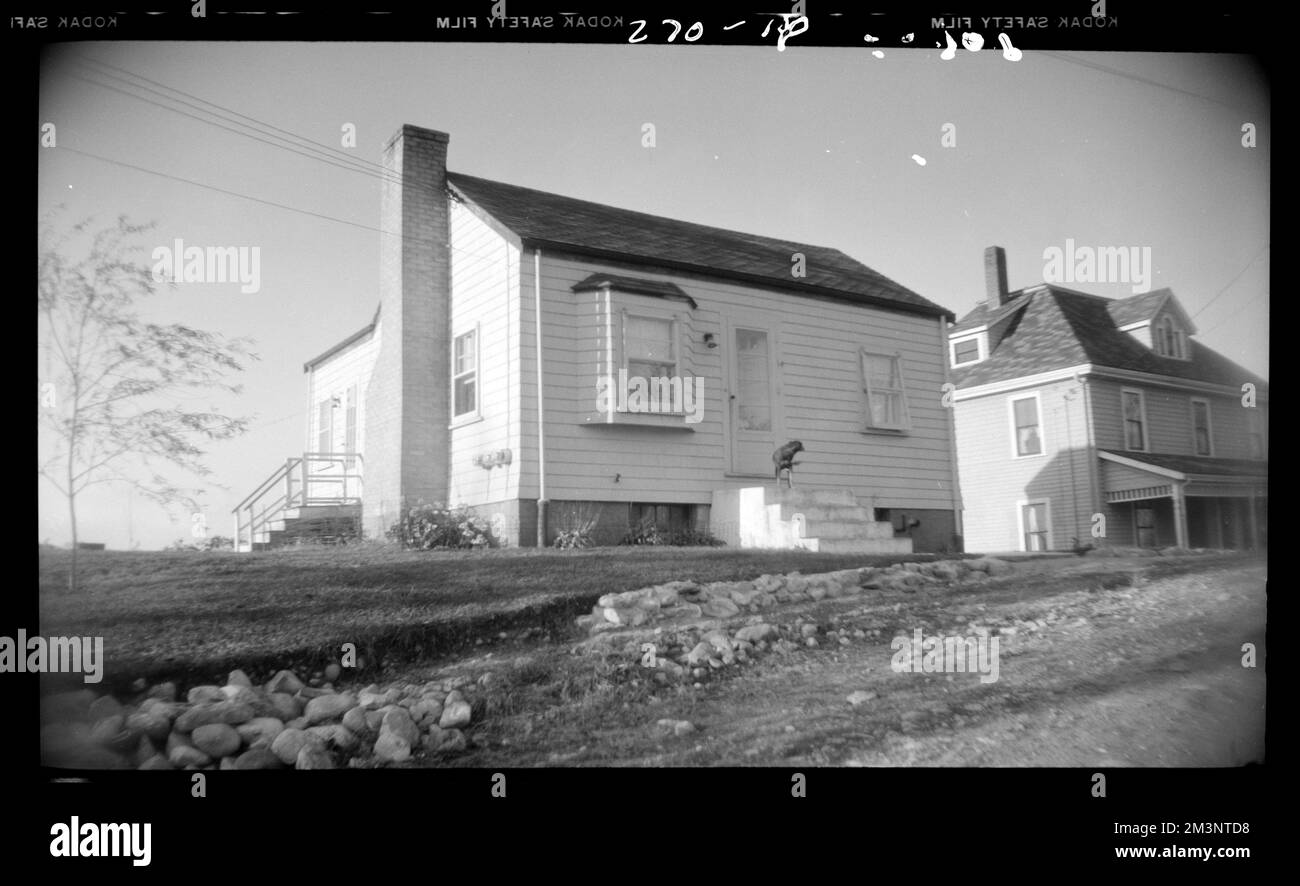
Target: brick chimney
[[407, 409], [995, 275]]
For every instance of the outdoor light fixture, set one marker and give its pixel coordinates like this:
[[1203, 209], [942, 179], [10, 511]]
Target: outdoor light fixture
[[709, 340]]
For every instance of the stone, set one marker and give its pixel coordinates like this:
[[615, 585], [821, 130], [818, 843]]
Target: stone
[[426, 712], [860, 697], [258, 758], [816, 591], [182, 756], [720, 607], [769, 584], [239, 678], [329, 707], [157, 761], [674, 727], [398, 722], [699, 654], [227, 763], [945, 570], [164, 691], [151, 722], [355, 719], [455, 714], [757, 633], [336, 736], [808, 630], [991, 566], [103, 707], [810, 642], [260, 732], [796, 582], [289, 742], [374, 719], [229, 712], [313, 757], [285, 681], [444, 741], [333, 672], [110, 731], [285, 706], [718, 640], [200, 694], [216, 739], [392, 748]]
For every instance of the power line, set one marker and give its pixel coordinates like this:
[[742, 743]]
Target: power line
[[288, 148], [1135, 77], [1232, 281], [341, 155]]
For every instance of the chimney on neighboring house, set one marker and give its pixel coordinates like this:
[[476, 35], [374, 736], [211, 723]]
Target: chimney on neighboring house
[[407, 401], [995, 275]]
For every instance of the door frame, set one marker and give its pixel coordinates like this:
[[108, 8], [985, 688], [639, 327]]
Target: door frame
[[758, 322]]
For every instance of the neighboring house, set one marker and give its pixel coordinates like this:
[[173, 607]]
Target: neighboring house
[[1070, 405], [439, 399]]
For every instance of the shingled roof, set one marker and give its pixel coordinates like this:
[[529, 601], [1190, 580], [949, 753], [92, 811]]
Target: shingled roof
[[1049, 328], [546, 220]]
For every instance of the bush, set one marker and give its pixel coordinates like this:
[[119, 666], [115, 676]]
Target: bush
[[427, 527], [574, 524], [650, 534]]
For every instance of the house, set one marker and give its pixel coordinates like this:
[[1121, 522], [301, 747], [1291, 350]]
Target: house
[[1102, 421], [534, 356]]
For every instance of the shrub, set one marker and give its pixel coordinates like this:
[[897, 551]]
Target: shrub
[[647, 533], [575, 523], [427, 527]]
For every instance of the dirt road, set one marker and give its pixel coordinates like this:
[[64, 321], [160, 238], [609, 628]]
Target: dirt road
[[1102, 662]]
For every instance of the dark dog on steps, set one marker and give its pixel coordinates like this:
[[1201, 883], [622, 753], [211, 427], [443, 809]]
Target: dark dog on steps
[[783, 458]]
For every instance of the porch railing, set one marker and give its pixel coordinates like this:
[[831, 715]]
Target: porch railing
[[312, 479]]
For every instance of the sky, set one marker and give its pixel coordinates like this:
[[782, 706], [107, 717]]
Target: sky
[[813, 145]]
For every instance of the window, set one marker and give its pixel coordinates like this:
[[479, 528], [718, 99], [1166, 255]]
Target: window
[[1135, 420], [464, 374], [325, 425], [350, 426], [1201, 441], [649, 350], [1034, 526], [1257, 433], [1025, 425], [1169, 339], [966, 351], [882, 376]]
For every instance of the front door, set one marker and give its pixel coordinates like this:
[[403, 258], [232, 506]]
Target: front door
[[751, 399], [1145, 517]]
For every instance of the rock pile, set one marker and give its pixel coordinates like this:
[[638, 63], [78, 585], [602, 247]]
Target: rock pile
[[687, 601], [283, 724]]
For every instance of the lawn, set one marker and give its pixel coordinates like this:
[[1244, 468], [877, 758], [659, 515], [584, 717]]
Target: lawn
[[190, 615]]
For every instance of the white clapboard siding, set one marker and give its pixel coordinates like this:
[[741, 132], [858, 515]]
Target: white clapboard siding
[[994, 482], [348, 367], [1169, 420], [819, 396], [484, 293]]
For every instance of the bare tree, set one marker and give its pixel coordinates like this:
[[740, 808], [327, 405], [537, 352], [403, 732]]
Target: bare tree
[[112, 385]]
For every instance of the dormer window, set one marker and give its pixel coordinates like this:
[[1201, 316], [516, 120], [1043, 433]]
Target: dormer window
[[963, 351], [1169, 339]]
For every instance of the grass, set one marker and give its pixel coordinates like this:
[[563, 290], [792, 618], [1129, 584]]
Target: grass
[[194, 616]]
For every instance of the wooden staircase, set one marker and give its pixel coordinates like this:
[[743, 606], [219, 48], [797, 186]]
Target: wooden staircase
[[311, 499]]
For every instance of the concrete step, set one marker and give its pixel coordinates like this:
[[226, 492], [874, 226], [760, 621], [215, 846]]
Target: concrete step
[[862, 546], [823, 513], [808, 498], [864, 529]]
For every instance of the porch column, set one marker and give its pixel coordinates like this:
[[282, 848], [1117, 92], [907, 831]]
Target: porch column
[[1180, 515], [1250, 522]]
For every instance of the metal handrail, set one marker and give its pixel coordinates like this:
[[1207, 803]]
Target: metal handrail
[[253, 514]]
